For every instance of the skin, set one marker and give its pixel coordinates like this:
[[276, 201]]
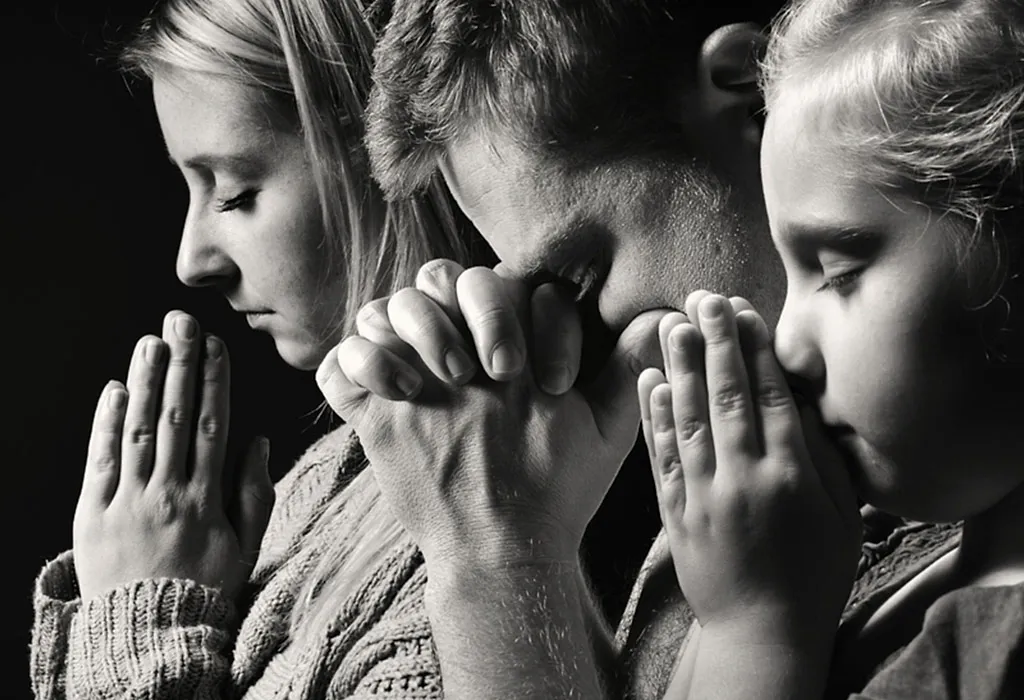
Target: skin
[[875, 331], [676, 227], [677, 224], [264, 249], [760, 517], [158, 499]]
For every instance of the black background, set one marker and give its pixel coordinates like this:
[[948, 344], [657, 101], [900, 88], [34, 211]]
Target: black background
[[90, 215]]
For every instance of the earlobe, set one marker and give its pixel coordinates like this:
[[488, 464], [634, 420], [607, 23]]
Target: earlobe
[[727, 71]]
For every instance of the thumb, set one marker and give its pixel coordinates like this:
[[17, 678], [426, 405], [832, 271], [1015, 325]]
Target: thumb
[[612, 393], [254, 499]]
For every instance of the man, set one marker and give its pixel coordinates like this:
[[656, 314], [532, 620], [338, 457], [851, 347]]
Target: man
[[610, 144]]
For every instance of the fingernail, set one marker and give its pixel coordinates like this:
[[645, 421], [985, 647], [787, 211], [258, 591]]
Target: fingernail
[[458, 364], [154, 352], [661, 410], [117, 398], [556, 379], [506, 358], [185, 327], [675, 339], [711, 307], [406, 383], [213, 348]]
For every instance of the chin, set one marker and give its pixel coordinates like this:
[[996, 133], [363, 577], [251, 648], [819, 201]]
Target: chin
[[302, 356]]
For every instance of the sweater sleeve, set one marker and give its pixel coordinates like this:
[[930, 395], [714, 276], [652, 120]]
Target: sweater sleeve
[[971, 646], [56, 601], [156, 639]]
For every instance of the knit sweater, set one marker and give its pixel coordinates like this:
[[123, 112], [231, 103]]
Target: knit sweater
[[158, 639]]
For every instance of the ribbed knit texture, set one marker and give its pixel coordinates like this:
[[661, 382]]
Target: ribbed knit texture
[[170, 639]]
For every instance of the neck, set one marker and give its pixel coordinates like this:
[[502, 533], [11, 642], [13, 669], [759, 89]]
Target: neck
[[992, 549]]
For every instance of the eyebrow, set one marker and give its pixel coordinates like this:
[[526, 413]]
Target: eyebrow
[[839, 236], [242, 164]]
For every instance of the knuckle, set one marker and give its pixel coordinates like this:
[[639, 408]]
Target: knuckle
[[104, 464], [141, 435], [438, 274], [689, 429], [728, 399], [210, 426], [372, 315], [164, 507], [175, 416], [772, 395], [493, 318]]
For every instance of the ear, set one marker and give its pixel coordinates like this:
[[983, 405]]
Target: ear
[[726, 83]]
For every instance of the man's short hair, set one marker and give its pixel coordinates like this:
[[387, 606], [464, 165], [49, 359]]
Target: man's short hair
[[579, 80]]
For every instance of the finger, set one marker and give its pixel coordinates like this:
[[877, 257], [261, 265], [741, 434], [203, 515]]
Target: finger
[[372, 323], [103, 460], [691, 305], [670, 321], [775, 413], [493, 321], [177, 410], [730, 406], [829, 465], [254, 500], [345, 398], [649, 378], [689, 388], [210, 449], [668, 471], [437, 279], [362, 366], [740, 304], [145, 384], [424, 325], [609, 394], [557, 338]]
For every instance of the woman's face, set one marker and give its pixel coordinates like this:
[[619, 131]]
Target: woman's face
[[874, 328], [254, 227]]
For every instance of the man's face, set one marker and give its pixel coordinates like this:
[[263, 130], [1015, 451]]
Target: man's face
[[636, 235]]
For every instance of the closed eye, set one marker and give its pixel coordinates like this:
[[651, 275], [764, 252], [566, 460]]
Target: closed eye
[[842, 282], [241, 201]]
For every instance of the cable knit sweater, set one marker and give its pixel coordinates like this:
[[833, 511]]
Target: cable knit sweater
[[158, 639]]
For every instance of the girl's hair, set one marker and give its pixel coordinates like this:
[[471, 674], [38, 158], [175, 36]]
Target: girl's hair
[[313, 60], [927, 96]]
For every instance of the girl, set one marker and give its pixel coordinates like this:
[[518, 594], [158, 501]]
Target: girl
[[260, 104], [894, 188]]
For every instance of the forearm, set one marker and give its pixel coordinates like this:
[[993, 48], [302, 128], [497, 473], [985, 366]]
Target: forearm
[[523, 634], [601, 634]]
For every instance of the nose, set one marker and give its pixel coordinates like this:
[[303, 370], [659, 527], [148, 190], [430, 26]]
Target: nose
[[796, 345], [202, 260]]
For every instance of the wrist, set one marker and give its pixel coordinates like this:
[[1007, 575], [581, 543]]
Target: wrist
[[777, 630], [468, 584], [501, 554]]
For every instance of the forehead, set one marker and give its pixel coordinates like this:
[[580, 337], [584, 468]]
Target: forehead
[[806, 175], [207, 114]]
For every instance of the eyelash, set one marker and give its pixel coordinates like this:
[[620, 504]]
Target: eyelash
[[840, 282], [237, 202]]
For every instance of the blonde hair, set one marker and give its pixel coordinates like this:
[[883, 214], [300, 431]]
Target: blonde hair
[[927, 98], [313, 58]]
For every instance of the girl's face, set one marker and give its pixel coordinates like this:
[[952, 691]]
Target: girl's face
[[874, 329], [254, 227]]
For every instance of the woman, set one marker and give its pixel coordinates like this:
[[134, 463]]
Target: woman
[[260, 104]]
